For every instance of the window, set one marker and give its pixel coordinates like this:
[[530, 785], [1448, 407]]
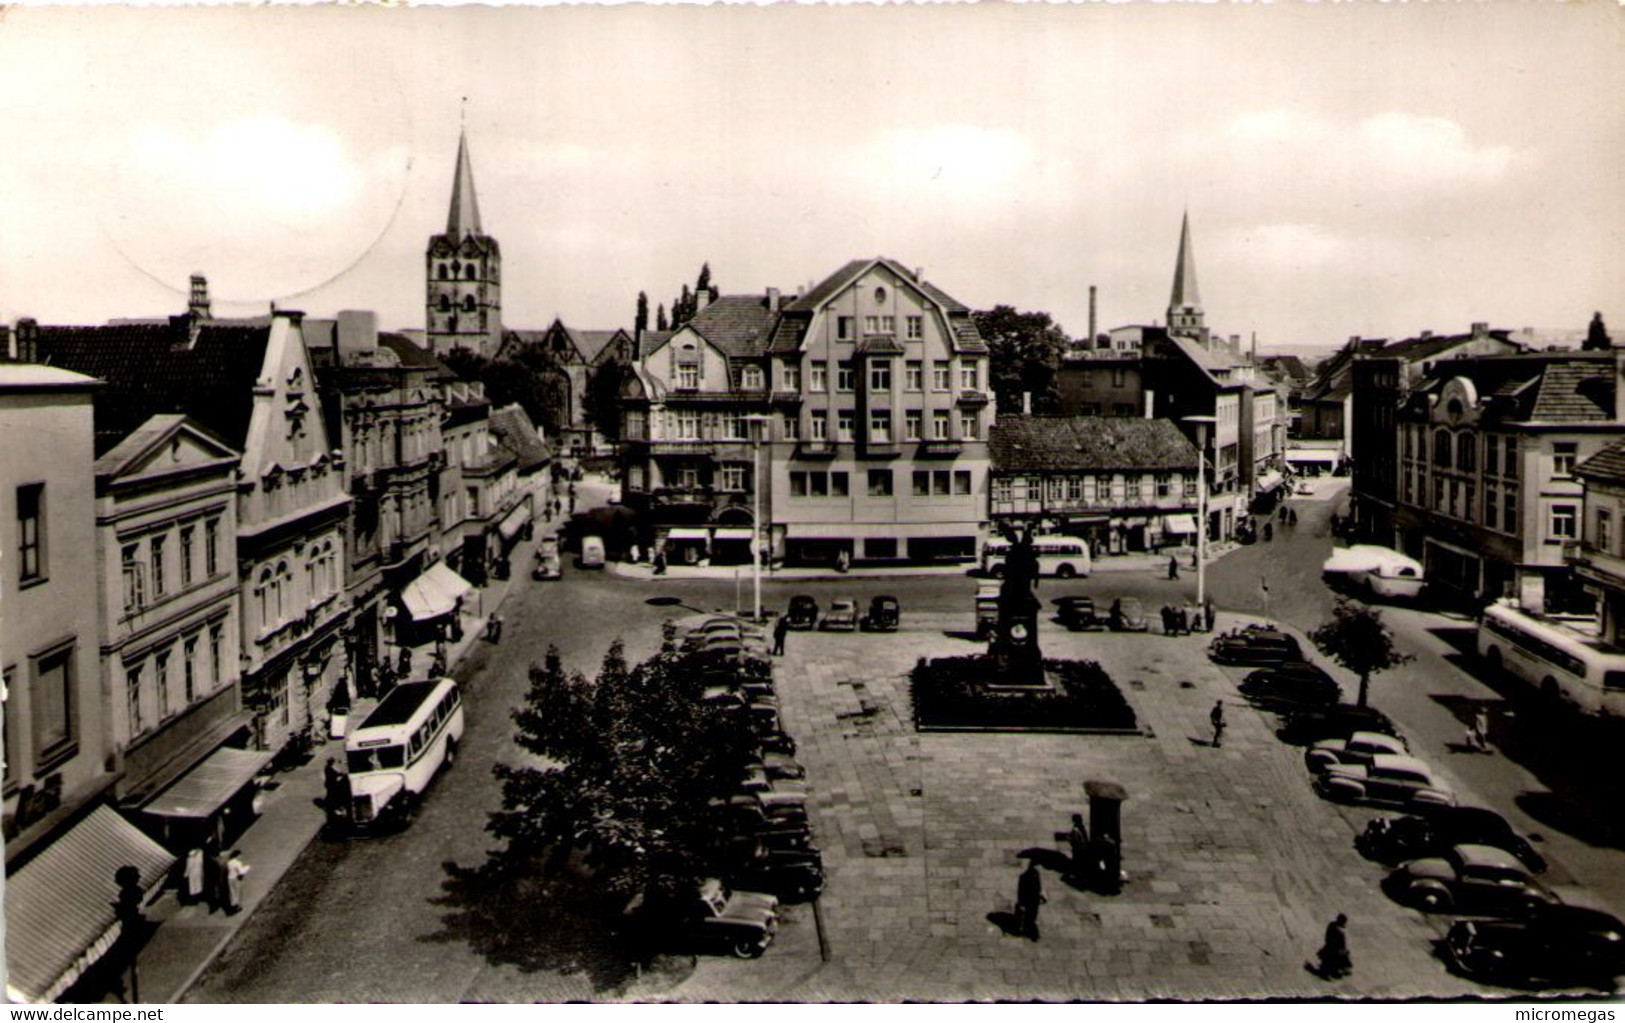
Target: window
[[1123, 409], [31, 532], [880, 375], [922, 483], [161, 671], [961, 482], [818, 379], [939, 482], [132, 697], [1511, 459], [880, 427], [1466, 452], [688, 424], [1054, 490], [688, 375], [1603, 539], [914, 375], [1165, 485], [1119, 377], [967, 425], [941, 375], [879, 482], [819, 425], [1509, 512], [1492, 506], [186, 555], [792, 426], [845, 377], [688, 477], [445, 303], [1563, 453], [189, 669], [967, 376], [913, 424], [1001, 490], [798, 484], [837, 484], [468, 300], [843, 328], [134, 591], [211, 547], [750, 378], [733, 477], [792, 376], [1492, 454], [880, 547], [939, 425], [1438, 493], [916, 327], [1562, 522], [468, 275], [845, 425], [53, 705], [735, 426], [216, 636], [156, 557], [1441, 448]]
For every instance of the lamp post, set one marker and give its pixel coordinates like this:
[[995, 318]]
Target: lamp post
[[1201, 423], [758, 425]]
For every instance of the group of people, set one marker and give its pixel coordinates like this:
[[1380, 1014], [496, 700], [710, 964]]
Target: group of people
[[1182, 621], [214, 876]]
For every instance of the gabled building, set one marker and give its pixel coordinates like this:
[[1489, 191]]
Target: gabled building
[[1599, 561], [1123, 484]]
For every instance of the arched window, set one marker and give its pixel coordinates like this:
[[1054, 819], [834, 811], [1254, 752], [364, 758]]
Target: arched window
[[1467, 452], [1441, 448], [468, 272], [468, 303], [262, 597], [442, 271], [445, 303]]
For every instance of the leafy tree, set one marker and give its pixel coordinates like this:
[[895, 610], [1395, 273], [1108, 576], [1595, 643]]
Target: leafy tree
[[660, 318], [630, 763], [640, 322], [1597, 339], [1356, 638], [703, 282], [531, 377], [1025, 352], [601, 403]]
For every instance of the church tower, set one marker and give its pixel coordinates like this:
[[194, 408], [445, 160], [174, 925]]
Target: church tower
[[464, 268], [1185, 304]]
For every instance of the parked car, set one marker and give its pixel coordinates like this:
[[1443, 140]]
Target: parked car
[[1396, 839], [793, 875], [842, 616], [1389, 780], [1128, 615], [777, 765], [592, 552], [758, 780], [1554, 944], [547, 565], [1468, 878], [1285, 687], [1078, 614], [742, 923], [884, 615], [1337, 721], [1255, 646], [775, 742], [1358, 748], [775, 825], [803, 612]]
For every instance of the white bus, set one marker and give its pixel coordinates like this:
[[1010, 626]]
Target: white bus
[[397, 750], [1064, 557], [1562, 664], [1383, 572]]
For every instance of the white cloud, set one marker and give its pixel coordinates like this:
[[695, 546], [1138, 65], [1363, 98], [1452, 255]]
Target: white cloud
[[1282, 246], [1428, 149]]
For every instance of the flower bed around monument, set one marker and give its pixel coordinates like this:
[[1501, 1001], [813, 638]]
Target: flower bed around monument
[[952, 694]]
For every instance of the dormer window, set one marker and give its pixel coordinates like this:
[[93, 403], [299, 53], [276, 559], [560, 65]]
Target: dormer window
[[750, 378]]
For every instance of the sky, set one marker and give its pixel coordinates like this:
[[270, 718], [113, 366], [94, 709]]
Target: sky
[[1348, 169]]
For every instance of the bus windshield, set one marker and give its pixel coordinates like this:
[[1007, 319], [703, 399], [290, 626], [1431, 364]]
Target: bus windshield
[[379, 758]]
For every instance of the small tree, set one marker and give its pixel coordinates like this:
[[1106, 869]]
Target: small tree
[[1597, 339], [640, 322], [1356, 638], [660, 318], [703, 282]]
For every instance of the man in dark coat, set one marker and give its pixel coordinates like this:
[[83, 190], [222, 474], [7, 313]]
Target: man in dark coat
[[781, 629], [1029, 896], [1217, 717], [1078, 841]]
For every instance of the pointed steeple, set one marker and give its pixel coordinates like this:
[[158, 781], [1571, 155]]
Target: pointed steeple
[[464, 218], [1186, 295]]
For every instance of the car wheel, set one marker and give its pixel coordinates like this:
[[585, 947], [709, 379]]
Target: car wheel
[[1433, 900], [1065, 572], [998, 572], [745, 949], [1549, 691], [451, 752]]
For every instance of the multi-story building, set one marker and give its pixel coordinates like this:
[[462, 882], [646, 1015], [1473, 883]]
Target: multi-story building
[[1600, 560], [250, 384], [1101, 382], [1377, 377], [1488, 497], [463, 272], [876, 395], [518, 436], [480, 516], [1124, 484]]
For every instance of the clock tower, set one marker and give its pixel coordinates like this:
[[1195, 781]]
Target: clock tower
[[464, 268]]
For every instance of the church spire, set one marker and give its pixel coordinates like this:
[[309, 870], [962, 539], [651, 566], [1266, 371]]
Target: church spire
[[1185, 304], [464, 217]]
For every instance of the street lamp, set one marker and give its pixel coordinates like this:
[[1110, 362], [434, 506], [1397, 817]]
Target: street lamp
[[1201, 423], [758, 423]]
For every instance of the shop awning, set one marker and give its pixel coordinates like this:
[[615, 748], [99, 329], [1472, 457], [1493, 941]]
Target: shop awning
[[1270, 480], [732, 534], [682, 533], [515, 520], [434, 593], [1179, 525], [1318, 456], [206, 787], [59, 907]]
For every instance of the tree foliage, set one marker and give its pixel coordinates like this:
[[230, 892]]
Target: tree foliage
[[1597, 339], [530, 377], [601, 403], [1025, 350], [640, 322], [631, 762], [660, 318], [1356, 638]]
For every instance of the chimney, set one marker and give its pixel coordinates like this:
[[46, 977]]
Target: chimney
[[1254, 353], [293, 316], [919, 274], [1425, 334], [26, 339], [357, 332], [702, 298], [1150, 404], [198, 305], [1480, 330], [1091, 316], [772, 300], [1026, 403]]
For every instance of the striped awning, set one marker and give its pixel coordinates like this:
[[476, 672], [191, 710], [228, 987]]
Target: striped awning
[[514, 522], [435, 592], [206, 787], [59, 906]]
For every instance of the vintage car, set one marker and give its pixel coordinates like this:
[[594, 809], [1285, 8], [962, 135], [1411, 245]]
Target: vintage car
[[548, 564], [1078, 614], [777, 765], [1358, 748], [1128, 615], [842, 616], [1468, 879], [741, 923], [793, 875], [802, 613], [1389, 780], [1306, 725], [884, 615], [758, 780], [1552, 945], [1438, 829], [1289, 686], [1255, 646]]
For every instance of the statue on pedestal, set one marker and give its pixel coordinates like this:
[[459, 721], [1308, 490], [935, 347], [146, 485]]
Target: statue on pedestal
[[1014, 650]]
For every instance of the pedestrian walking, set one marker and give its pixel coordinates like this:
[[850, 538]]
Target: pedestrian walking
[[192, 877], [216, 880], [333, 784], [1029, 896], [1167, 620], [1078, 841], [1211, 613], [235, 871], [634, 555], [1217, 717], [1173, 567], [781, 629], [1334, 960], [1478, 733], [660, 561], [1182, 621]]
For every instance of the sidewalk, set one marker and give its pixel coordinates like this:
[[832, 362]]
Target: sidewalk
[[1156, 563], [189, 938]]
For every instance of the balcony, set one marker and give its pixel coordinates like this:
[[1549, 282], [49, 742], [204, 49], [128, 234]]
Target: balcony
[[972, 398], [815, 449], [786, 398], [940, 448]]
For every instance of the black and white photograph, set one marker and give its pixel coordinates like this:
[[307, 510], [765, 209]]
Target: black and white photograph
[[813, 503]]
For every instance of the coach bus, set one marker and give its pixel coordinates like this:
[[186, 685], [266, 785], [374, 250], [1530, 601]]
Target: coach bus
[[1064, 557], [400, 747], [1585, 673]]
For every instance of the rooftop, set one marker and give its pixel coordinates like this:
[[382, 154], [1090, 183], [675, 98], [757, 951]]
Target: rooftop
[[1093, 443]]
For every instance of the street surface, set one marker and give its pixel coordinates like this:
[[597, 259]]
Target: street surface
[[1235, 865]]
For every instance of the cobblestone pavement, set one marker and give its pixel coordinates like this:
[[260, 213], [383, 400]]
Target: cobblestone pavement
[[1235, 866]]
